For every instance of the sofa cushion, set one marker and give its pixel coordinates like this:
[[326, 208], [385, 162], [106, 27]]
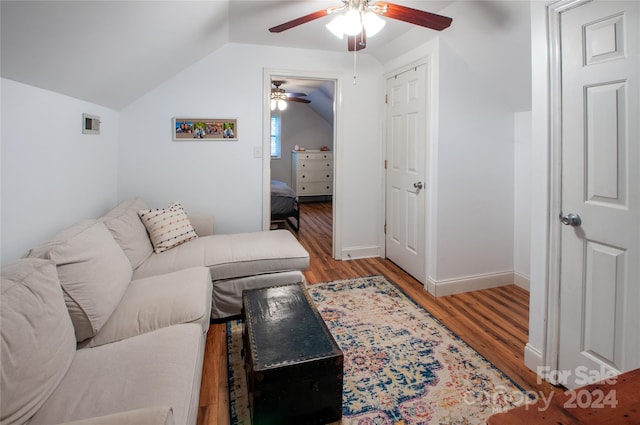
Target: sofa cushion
[[157, 302], [38, 344], [160, 368], [124, 224], [167, 228], [232, 256], [93, 271]]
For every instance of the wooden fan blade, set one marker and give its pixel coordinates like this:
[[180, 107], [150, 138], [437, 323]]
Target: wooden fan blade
[[414, 16], [298, 99], [302, 20], [357, 42], [296, 94]]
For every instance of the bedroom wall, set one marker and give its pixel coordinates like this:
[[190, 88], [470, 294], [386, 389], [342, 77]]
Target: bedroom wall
[[52, 174], [303, 126], [224, 178]]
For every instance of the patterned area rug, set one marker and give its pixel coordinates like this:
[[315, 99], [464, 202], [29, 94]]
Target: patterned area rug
[[401, 366]]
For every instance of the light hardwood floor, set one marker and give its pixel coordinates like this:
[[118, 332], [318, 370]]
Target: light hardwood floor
[[494, 321]]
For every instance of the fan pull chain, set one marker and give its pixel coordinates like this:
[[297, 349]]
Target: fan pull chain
[[354, 67]]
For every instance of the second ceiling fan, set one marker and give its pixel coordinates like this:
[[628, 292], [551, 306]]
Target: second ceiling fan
[[280, 97], [361, 18]]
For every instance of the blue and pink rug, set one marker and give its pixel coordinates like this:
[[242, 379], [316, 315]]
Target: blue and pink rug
[[401, 366]]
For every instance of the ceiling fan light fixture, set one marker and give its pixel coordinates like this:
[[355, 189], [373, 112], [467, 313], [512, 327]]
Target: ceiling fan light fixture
[[336, 26], [282, 104], [372, 23], [352, 22]]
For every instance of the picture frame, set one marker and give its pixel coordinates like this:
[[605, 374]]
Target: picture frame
[[204, 129]]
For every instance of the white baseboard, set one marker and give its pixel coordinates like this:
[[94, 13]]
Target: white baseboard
[[431, 286], [521, 280], [533, 359], [471, 283], [357, 252]]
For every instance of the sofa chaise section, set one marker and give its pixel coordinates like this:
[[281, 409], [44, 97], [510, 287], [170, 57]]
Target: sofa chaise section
[[235, 261]]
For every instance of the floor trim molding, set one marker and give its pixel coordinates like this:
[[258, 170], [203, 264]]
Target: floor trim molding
[[533, 359], [471, 283], [358, 252], [522, 281]]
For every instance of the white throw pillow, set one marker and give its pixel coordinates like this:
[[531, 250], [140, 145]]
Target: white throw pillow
[[167, 227]]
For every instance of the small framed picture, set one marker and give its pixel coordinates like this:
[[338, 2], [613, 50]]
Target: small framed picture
[[205, 129]]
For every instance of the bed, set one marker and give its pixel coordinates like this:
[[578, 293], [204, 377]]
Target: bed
[[284, 204]]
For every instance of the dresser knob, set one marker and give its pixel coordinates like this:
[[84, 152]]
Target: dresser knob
[[303, 176]]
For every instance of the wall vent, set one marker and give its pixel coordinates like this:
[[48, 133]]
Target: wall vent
[[90, 124]]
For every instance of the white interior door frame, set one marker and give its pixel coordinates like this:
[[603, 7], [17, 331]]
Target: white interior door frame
[[552, 333], [268, 75]]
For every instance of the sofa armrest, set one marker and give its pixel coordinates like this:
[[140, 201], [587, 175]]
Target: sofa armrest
[[158, 415], [202, 224]]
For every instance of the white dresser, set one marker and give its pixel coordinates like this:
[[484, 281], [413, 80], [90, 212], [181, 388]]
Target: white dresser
[[312, 172]]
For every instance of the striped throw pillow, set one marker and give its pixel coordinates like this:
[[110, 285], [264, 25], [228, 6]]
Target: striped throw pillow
[[167, 227]]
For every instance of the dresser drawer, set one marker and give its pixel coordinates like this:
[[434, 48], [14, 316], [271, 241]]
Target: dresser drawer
[[314, 155], [314, 164], [311, 189], [309, 176]]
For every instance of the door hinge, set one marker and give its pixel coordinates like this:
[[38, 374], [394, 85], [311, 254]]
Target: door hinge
[[385, 228], [385, 164], [386, 99]]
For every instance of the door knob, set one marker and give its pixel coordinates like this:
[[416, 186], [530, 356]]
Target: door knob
[[418, 185], [571, 219]]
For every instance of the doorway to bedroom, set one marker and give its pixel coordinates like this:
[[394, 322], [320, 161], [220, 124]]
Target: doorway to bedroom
[[302, 141]]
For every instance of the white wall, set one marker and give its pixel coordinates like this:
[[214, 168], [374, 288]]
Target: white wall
[[224, 178], [475, 175], [52, 174], [303, 126], [522, 200]]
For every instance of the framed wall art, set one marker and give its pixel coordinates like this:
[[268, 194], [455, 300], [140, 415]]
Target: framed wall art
[[205, 129]]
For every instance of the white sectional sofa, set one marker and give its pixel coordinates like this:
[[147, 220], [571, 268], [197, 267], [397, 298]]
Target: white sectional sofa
[[97, 328]]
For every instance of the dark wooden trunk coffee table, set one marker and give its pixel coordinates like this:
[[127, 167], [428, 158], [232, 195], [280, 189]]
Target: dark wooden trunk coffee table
[[292, 362]]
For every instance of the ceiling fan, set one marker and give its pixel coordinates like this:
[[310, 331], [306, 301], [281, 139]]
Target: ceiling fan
[[361, 18], [279, 97]]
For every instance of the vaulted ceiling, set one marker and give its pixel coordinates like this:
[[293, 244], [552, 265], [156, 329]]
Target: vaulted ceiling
[[112, 52]]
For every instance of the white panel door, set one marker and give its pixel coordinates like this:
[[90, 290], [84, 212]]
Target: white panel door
[[406, 157], [600, 256]]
